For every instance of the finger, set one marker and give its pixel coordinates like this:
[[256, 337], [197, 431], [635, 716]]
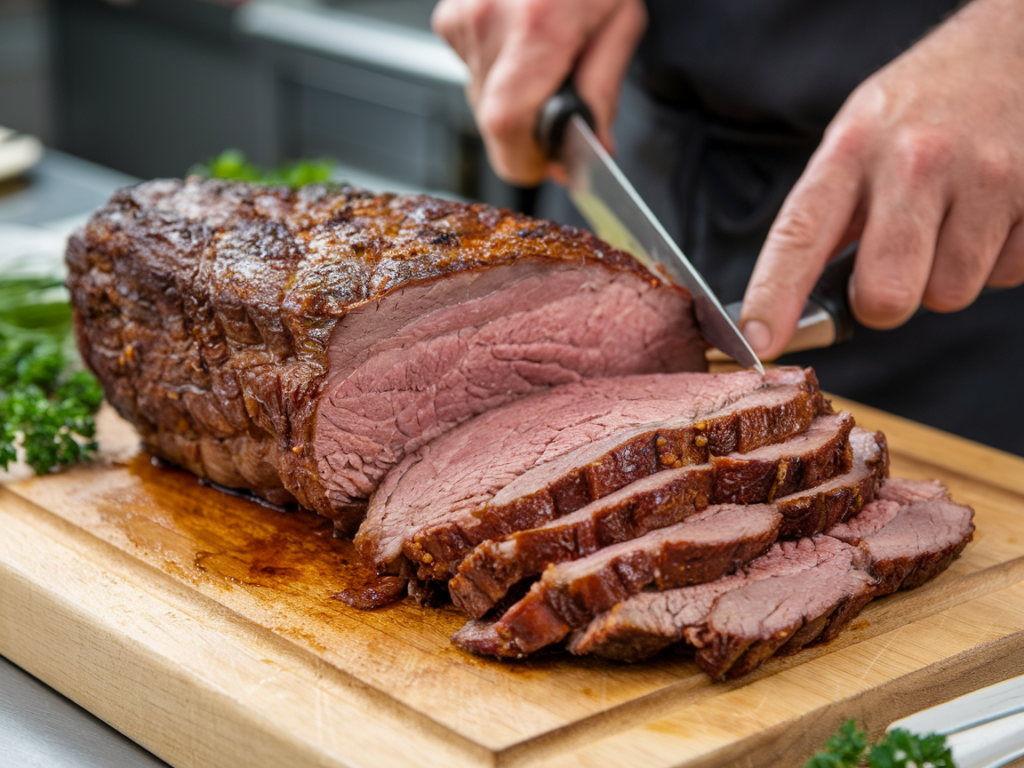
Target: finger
[[818, 215], [475, 30], [969, 244], [536, 57], [602, 66], [909, 202], [1008, 271]]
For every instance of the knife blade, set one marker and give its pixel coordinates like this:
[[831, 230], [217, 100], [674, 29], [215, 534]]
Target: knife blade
[[620, 217]]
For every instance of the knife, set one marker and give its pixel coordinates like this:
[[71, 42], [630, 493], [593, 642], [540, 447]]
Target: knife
[[984, 729], [619, 216]]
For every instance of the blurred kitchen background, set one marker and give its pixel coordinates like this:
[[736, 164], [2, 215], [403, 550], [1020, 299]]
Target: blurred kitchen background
[[150, 87]]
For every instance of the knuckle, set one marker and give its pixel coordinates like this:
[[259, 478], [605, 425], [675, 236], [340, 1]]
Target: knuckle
[[850, 138], [921, 155], [795, 229], [994, 168], [535, 16], [884, 303], [479, 17], [499, 122], [949, 296]]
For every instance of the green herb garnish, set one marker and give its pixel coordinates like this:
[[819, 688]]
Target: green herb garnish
[[231, 164], [47, 407], [899, 749]]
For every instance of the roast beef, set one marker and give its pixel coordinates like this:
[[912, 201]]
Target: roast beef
[[799, 593], [661, 499], [803, 461], [653, 502], [703, 548], [549, 454], [819, 508], [915, 541], [300, 343]]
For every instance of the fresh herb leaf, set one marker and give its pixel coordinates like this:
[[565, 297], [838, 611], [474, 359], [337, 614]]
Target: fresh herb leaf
[[232, 164], [899, 749], [844, 750], [903, 749], [47, 407]]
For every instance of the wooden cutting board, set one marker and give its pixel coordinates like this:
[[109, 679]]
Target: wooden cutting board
[[203, 626]]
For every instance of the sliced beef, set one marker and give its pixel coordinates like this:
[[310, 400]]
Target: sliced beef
[[800, 593], [822, 506], [748, 625], [803, 461], [547, 455], [916, 541], [707, 546], [661, 499], [643, 625], [653, 502], [300, 343]]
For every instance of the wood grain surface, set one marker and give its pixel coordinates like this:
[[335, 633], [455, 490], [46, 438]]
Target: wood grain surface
[[203, 625]]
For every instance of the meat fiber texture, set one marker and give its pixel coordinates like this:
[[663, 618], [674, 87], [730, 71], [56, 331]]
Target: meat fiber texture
[[800, 593], [547, 455], [700, 549], [803, 461], [300, 343]]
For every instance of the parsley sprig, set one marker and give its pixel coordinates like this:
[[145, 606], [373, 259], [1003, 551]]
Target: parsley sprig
[[232, 164], [47, 406], [899, 749]]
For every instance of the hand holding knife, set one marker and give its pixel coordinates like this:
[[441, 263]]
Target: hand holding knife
[[620, 217]]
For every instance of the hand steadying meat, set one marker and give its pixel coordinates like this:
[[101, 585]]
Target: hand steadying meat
[[924, 162]]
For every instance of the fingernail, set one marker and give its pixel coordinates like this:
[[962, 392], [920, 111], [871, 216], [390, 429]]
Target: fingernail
[[758, 335]]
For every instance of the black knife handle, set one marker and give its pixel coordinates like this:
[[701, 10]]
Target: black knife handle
[[555, 114], [832, 292]]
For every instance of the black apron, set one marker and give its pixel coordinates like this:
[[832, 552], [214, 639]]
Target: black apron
[[727, 101]]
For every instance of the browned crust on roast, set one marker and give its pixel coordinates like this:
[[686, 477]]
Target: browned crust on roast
[[206, 307], [817, 510]]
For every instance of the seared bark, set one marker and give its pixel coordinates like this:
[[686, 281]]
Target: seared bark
[[299, 343]]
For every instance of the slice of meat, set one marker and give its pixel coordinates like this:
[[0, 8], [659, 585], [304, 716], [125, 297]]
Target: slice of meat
[[747, 625], [803, 461], [702, 548], [664, 498], [653, 502], [547, 455], [915, 541], [651, 621], [800, 593], [645, 624], [299, 343], [821, 507]]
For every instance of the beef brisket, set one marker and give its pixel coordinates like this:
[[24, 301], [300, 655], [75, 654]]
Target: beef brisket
[[661, 499], [552, 453], [300, 343], [798, 594], [700, 549]]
